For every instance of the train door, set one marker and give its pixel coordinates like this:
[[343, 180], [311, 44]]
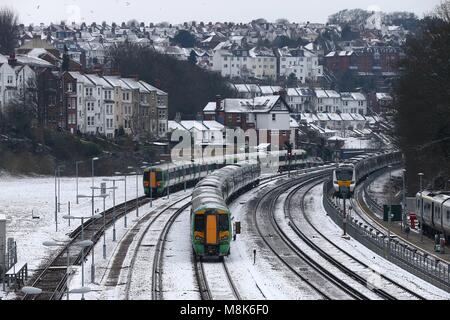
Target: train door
[[153, 179], [211, 229]]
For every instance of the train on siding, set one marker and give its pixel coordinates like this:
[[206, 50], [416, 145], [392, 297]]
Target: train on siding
[[350, 172], [211, 228], [435, 207], [158, 179]]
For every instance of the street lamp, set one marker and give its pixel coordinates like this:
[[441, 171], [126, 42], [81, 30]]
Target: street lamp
[[389, 211], [93, 159], [76, 170], [57, 192], [126, 210], [420, 174], [83, 244], [404, 200], [82, 250], [114, 204]]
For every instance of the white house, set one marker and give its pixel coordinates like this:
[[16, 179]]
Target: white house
[[8, 84], [327, 101], [354, 102]]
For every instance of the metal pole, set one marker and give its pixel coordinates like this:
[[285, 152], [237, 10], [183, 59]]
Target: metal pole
[[59, 189], [68, 263], [389, 212], [93, 265], [56, 202], [114, 210], [92, 202], [126, 211], [69, 212], [104, 228], [151, 189], [345, 216], [404, 201], [421, 208], [168, 181], [82, 257], [137, 195], [184, 176]]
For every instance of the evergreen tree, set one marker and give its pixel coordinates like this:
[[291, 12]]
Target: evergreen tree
[[8, 31], [423, 103], [193, 58]]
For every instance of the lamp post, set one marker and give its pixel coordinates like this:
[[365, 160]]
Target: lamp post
[[114, 204], [82, 250], [389, 211], [57, 192], [404, 200], [59, 187], [93, 159], [76, 170], [420, 174], [126, 209], [83, 244]]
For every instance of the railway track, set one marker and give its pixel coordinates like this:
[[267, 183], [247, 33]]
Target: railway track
[[324, 283], [316, 234], [53, 278], [215, 281], [161, 222]]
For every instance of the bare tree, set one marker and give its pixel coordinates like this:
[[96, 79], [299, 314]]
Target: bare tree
[[8, 30], [443, 10]]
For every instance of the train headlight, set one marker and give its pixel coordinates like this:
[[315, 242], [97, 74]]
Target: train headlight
[[198, 238]]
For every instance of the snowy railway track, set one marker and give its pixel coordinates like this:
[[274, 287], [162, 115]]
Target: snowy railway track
[[215, 282], [395, 289], [149, 251], [53, 278], [326, 284]]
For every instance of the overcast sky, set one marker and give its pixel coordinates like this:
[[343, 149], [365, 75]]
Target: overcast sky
[[176, 11]]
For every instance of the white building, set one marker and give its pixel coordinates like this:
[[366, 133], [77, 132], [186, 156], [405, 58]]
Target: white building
[[304, 64], [327, 101], [8, 85], [354, 102]]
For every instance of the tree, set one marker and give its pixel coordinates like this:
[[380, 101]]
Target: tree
[[423, 103], [8, 31], [442, 11], [190, 88], [193, 58], [184, 39], [292, 80]]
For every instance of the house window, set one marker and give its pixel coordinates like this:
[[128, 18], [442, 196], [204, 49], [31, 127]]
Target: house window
[[274, 117], [10, 80]]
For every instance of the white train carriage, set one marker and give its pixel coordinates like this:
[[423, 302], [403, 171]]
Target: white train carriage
[[435, 206]]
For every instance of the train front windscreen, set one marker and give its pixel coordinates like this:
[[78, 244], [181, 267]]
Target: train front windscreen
[[344, 174]]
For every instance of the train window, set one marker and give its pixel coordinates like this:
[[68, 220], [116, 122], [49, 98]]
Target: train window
[[344, 174], [158, 175], [448, 215], [223, 222], [199, 223]]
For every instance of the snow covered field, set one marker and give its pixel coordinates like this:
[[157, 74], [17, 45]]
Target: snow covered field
[[22, 198]]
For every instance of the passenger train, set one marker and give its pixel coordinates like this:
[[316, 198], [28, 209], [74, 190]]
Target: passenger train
[[350, 172], [211, 228], [158, 179], [435, 207]]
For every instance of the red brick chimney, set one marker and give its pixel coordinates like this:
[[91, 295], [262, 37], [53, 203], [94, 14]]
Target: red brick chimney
[[12, 61]]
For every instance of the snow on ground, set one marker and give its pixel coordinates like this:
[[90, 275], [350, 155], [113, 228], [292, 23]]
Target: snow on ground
[[22, 197], [100, 289], [179, 281], [379, 188], [252, 280], [323, 223]]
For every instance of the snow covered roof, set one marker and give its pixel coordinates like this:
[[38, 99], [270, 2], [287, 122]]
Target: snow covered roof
[[353, 96], [266, 90], [346, 117], [192, 124], [334, 116], [293, 123], [133, 84], [173, 125], [358, 117], [99, 81], [241, 88], [81, 78], [152, 88], [322, 116], [383, 96], [213, 125]]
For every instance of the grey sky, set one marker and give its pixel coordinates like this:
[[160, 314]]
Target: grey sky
[[175, 11]]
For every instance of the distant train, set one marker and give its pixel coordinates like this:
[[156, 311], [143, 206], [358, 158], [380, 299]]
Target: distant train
[[435, 206], [211, 228], [158, 179], [350, 172]]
